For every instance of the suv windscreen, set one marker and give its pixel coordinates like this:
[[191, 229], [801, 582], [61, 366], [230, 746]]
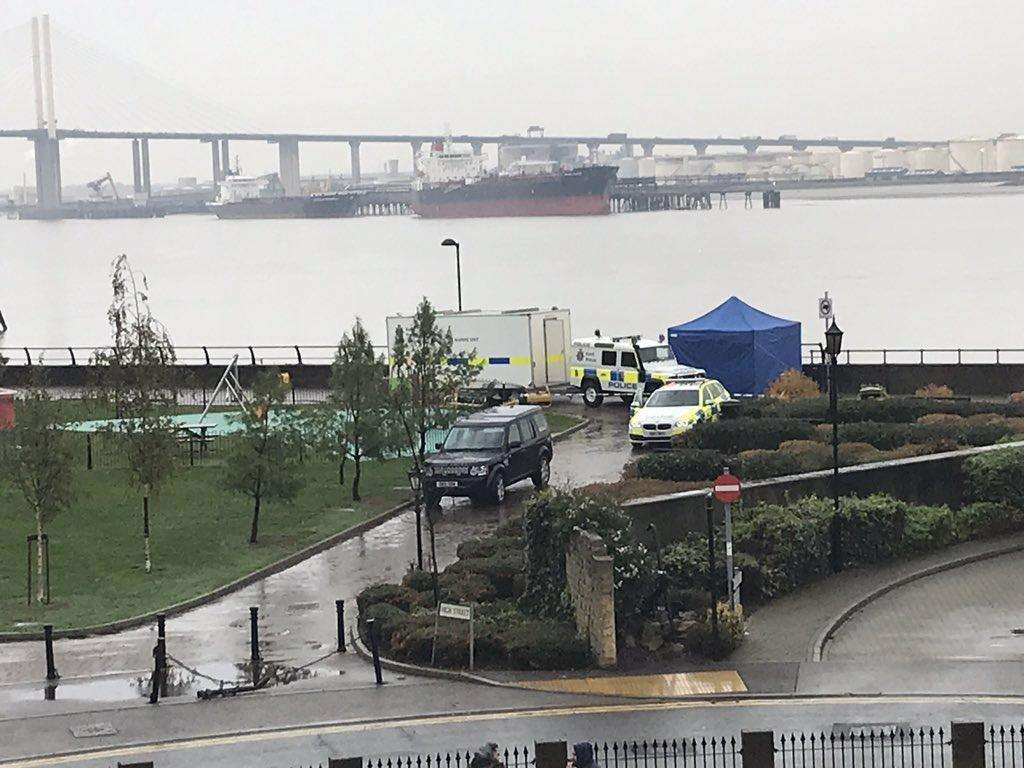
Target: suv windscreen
[[673, 398], [475, 438], [655, 354]]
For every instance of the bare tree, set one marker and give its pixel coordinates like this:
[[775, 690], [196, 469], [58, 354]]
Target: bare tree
[[138, 379]]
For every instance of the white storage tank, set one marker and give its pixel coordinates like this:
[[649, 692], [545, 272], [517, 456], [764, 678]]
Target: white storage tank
[[854, 164], [889, 158], [968, 155], [646, 167], [628, 168], [929, 159], [1009, 152]]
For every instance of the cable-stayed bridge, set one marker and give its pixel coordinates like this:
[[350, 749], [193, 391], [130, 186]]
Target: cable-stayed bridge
[[43, 65]]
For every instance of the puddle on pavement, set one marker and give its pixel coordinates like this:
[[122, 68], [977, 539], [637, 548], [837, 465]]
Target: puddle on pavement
[[179, 682]]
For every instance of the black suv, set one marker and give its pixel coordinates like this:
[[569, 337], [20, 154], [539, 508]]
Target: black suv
[[488, 451]]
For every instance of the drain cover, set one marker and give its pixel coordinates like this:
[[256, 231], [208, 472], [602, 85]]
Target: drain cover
[[93, 730]]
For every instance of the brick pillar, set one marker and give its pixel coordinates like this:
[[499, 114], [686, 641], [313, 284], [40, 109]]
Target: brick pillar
[[550, 754], [758, 748], [968, 741]]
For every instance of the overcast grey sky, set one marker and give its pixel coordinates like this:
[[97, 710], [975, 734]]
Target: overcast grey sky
[[910, 69]]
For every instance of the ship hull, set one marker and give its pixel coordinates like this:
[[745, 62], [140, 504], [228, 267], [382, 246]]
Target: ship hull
[[326, 207], [580, 192]]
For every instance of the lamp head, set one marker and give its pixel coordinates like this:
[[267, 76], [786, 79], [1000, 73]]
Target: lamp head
[[833, 339], [449, 242]]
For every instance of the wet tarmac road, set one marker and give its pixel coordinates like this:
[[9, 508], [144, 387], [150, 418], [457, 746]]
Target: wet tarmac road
[[296, 607]]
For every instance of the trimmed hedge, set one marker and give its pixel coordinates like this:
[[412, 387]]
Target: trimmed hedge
[[684, 464], [997, 476], [731, 436]]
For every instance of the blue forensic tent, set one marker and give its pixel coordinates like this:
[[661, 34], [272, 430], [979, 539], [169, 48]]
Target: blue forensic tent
[[742, 347]]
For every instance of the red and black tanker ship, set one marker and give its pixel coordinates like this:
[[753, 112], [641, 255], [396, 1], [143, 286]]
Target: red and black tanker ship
[[453, 184]]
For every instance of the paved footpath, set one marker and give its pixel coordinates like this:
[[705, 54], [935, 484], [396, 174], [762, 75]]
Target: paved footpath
[[786, 629], [969, 613], [297, 616]]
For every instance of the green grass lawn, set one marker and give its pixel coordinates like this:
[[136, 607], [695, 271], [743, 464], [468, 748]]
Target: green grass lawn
[[559, 422], [199, 538]]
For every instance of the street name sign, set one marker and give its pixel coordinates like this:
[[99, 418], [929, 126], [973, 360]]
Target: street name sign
[[452, 611]]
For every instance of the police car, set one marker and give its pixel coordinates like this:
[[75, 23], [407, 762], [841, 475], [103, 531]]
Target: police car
[[674, 409], [601, 366]]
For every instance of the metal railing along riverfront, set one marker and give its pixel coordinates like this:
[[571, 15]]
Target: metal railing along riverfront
[[323, 354], [812, 355], [278, 354]]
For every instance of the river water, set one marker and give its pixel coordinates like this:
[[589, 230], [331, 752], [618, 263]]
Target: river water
[[942, 270]]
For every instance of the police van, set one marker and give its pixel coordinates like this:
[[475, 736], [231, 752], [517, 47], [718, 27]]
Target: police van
[[601, 366]]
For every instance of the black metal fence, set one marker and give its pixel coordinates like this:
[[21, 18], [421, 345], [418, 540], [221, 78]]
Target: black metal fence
[[871, 748], [964, 745]]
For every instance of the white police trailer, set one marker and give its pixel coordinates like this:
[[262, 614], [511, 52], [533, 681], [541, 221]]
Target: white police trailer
[[518, 349]]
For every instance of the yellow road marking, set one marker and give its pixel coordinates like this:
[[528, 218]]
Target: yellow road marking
[[596, 709], [652, 686]]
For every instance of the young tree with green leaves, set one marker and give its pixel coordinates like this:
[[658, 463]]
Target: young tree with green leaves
[[138, 378], [359, 395], [426, 376], [36, 457], [261, 460]]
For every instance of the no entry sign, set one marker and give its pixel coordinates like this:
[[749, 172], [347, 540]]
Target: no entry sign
[[727, 488]]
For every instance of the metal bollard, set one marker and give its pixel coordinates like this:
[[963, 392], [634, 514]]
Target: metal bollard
[[161, 646], [254, 635], [339, 606], [154, 688], [88, 450], [51, 669], [371, 628]]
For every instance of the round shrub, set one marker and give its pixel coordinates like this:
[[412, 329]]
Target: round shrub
[[684, 464], [418, 581], [934, 390], [952, 419], [504, 570], [809, 454], [792, 385], [996, 476], [465, 588], [394, 594], [858, 453], [882, 436], [546, 644], [474, 548]]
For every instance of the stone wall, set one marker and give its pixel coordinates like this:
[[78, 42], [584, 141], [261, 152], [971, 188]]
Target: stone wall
[[588, 571]]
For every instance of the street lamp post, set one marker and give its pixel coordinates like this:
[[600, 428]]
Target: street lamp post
[[833, 346], [416, 484], [448, 242]]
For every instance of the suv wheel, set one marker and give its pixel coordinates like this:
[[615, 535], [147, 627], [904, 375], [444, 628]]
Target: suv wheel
[[592, 393], [542, 476], [496, 488]]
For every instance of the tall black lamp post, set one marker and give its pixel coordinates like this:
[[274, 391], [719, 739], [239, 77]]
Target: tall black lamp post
[[416, 484], [448, 243], [833, 346]]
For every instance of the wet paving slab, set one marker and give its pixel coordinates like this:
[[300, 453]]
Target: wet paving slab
[[297, 616]]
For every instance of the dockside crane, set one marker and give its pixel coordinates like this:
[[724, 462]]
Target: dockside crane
[[97, 186]]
